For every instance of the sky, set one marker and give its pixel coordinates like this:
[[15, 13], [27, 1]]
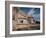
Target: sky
[[35, 12]]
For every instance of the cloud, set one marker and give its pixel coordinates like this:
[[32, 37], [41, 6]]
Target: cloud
[[35, 14], [36, 17], [31, 12]]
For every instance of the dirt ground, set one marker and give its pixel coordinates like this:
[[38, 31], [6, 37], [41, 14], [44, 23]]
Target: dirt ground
[[25, 27]]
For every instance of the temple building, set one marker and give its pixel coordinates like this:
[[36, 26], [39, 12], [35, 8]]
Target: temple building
[[22, 21]]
